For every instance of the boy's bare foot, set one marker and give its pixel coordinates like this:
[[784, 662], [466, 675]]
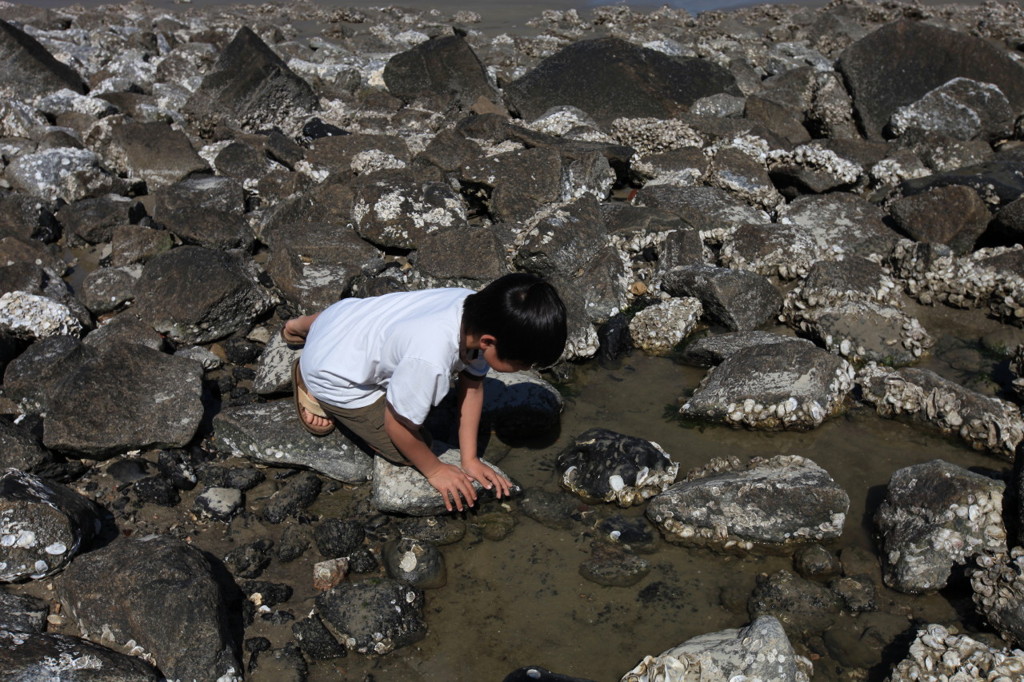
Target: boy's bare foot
[[314, 420]]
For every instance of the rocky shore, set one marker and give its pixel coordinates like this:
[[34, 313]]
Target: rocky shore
[[768, 192]]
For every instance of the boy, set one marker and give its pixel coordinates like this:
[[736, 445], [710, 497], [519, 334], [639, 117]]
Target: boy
[[378, 365]]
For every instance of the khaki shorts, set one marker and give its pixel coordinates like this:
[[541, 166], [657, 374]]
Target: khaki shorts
[[368, 423]]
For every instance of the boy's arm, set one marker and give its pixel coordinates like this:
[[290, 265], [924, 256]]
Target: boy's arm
[[471, 402], [448, 479]]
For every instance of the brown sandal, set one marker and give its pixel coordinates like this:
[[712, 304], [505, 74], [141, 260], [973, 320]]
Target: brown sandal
[[304, 401]]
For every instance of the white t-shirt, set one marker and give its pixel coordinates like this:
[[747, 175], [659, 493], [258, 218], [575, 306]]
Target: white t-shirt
[[404, 345]]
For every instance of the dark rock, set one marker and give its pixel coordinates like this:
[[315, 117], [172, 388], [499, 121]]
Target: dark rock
[[1008, 227], [999, 180], [130, 244], [125, 470], [636, 532], [450, 151], [418, 563], [519, 404], [316, 641], [29, 70], [961, 109], [611, 566], [250, 560], [346, 155], [92, 220], [42, 524], [20, 449], [295, 495], [735, 299], [154, 152], [160, 592], [923, 530], [609, 78], [22, 613], [902, 61], [28, 218], [814, 561], [782, 121], [47, 656], [399, 213], [445, 66], [229, 298], [373, 616], [553, 510], [126, 327], [295, 540], [156, 490], [516, 184], [363, 560], [858, 593], [270, 433], [537, 674], [250, 86], [802, 605], [462, 255], [208, 211], [494, 526], [63, 173], [279, 665], [607, 466], [710, 350], [706, 209], [107, 289], [954, 215], [239, 351], [613, 339], [337, 538], [776, 386], [779, 502], [314, 129], [559, 244], [242, 161], [269, 593]]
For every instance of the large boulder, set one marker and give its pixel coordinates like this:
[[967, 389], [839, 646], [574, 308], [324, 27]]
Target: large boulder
[[209, 211], [953, 215], [938, 653], [161, 595], [153, 152], [444, 66], [404, 490], [29, 70], [735, 299], [902, 61], [611, 78], [53, 656], [373, 616], [229, 298], [517, 183], [780, 502], [399, 212]]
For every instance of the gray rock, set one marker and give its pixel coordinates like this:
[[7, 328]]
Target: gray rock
[[611, 467], [412, 561], [120, 398], [552, 510], [373, 616], [131, 244], [610, 78], [242, 161], [902, 61], [27, 217], [251, 87], [315, 264], [714, 212], [735, 299], [274, 367], [205, 210], [444, 66], [953, 215], [125, 327], [517, 183], [343, 156], [811, 229], [42, 526], [997, 180], [938, 652], [162, 594], [220, 503], [20, 449], [805, 606], [107, 289], [22, 613], [866, 331], [560, 243], [781, 121], [962, 109], [613, 566], [399, 212], [404, 490], [462, 256], [92, 220], [153, 152], [710, 350], [812, 168], [936, 515], [772, 387], [780, 502], [53, 656], [814, 561], [450, 151], [660, 327], [61, 173], [298, 492], [29, 69], [229, 298], [760, 650], [270, 433], [30, 317], [985, 423]]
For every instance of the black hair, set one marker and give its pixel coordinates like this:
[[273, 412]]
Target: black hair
[[524, 314]]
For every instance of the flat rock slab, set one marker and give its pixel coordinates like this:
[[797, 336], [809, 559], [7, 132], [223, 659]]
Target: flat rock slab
[[153, 152], [404, 490], [398, 212], [779, 502], [42, 526], [606, 466], [759, 651], [373, 616], [983, 422], [738, 300], [271, 433], [52, 656], [162, 594], [773, 387], [936, 515], [712, 349]]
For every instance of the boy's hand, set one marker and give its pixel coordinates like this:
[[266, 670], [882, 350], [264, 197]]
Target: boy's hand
[[453, 484], [487, 477]]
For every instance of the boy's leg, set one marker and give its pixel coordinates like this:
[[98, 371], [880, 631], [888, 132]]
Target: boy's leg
[[368, 423]]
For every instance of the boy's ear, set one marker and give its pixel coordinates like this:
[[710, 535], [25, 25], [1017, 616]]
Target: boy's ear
[[487, 341]]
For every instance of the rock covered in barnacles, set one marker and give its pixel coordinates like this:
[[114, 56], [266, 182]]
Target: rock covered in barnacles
[[36, 317], [713, 211], [985, 423], [658, 328], [759, 651], [612, 467], [961, 108], [778, 502], [373, 616], [938, 654], [1017, 367], [811, 167], [399, 213], [61, 173], [773, 387], [735, 299], [42, 525], [710, 350], [935, 515], [998, 585], [988, 277]]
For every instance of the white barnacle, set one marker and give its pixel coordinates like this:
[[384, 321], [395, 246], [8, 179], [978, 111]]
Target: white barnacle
[[616, 482], [56, 548]]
